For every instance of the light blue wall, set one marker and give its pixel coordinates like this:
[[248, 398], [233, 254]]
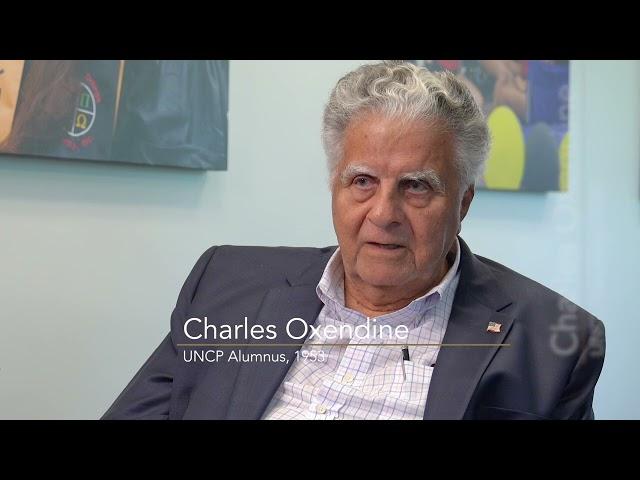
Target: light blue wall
[[93, 255], [612, 226]]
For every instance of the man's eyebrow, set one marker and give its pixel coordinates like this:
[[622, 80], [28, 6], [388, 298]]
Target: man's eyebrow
[[352, 171], [428, 176]]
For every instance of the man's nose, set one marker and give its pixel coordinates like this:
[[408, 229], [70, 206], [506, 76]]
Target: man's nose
[[386, 208]]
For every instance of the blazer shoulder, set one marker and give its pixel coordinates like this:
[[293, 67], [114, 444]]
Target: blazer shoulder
[[239, 267], [258, 260], [244, 253]]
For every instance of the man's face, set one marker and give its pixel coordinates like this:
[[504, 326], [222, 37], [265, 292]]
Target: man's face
[[396, 202]]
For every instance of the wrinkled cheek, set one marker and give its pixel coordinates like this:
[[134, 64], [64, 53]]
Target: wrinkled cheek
[[431, 245], [338, 220], [344, 226], [348, 218], [347, 229]]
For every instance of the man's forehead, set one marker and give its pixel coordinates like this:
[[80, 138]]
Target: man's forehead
[[373, 129], [402, 153]]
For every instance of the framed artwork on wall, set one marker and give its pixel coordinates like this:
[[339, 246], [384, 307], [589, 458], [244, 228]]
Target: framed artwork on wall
[[150, 112], [526, 103]]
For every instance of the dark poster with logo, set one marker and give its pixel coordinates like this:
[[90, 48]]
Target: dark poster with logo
[[88, 133], [152, 112]]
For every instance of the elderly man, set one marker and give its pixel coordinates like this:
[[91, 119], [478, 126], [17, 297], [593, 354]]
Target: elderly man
[[272, 333]]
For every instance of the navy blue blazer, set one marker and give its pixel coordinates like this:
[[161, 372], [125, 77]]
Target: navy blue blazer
[[548, 371]]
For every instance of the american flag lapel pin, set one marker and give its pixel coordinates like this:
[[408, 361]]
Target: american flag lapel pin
[[494, 327]]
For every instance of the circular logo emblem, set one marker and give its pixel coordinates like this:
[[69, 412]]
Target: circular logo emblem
[[85, 112]]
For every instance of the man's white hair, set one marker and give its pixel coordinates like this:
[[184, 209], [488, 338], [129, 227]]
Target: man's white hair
[[405, 91]]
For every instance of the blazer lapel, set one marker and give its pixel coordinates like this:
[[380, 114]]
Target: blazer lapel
[[257, 382], [479, 300]]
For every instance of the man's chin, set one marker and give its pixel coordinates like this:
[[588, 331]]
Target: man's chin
[[380, 277]]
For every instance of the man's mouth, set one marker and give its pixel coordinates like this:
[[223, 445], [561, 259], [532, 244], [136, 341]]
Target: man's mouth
[[386, 246]]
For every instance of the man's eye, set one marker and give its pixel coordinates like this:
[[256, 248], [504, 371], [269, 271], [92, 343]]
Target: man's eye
[[416, 186], [362, 181]]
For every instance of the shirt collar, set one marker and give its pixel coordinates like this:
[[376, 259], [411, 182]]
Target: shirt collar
[[330, 288]]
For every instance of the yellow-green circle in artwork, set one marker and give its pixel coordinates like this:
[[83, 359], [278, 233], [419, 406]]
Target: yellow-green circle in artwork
[[505, 164], [563, 155]]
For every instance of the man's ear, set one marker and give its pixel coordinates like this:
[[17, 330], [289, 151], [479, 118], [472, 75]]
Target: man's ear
[[466, 203]]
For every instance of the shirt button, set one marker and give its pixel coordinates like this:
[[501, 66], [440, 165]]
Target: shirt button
[[348, 378], [321, 409]]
